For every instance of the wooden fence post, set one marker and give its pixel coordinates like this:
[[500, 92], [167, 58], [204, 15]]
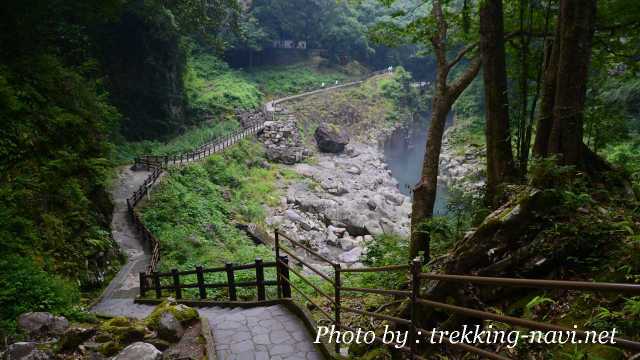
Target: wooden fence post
[[336, 289], [278, 272], [260, 280], [201, 288], [231, 281], [143, 284], [415, 292], [286, 287], [176, 283], [156, 284]]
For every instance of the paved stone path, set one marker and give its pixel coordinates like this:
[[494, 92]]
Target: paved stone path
[[117, 298], [260, 333]]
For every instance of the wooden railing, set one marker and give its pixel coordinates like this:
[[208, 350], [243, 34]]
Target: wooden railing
[[156, 163], [153, 281], [147, 236], [413, 295], [270, 108], [212, 146]]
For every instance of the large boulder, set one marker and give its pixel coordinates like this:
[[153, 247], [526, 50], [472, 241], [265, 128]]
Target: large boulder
[[42, 324], [169, 328], [170, 319], [139, 351], [331, 138], [25, 351], [75, 336], [38, 355], [122, 330], [18, 350]]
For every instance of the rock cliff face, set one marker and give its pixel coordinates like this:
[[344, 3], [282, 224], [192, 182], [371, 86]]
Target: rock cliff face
[[145, 65], [283, 143]]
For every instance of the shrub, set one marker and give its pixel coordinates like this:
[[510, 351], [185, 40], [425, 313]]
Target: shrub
[[24, 287]]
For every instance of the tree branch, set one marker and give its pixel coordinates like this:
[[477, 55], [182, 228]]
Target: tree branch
[[458, 85], [464, 51], [461, 55]]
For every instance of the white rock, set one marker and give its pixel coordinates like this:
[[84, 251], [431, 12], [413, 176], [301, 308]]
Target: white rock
[[139, 351]]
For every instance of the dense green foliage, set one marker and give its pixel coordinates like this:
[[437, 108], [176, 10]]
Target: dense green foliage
[[278, 81], [58, 125], [213, 88], [195, 211], [29, 288], [54, 206]]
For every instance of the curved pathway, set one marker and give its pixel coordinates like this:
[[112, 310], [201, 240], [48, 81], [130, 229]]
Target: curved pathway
[[258, 333], [117, 298]]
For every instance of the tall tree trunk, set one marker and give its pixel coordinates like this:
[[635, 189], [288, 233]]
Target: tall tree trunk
[[424, 194], [547, 102], [576, 23], [544, 59], [500, 165]]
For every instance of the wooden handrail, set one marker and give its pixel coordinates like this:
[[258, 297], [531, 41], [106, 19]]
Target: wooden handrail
[[378, 291], [536, 283], [377, 316], [303, 278], [377, 269], [326, 314], [260, 283], [310, 267], [413, 296], [312, 252]]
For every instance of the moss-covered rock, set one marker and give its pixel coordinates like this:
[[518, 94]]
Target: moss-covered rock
[[75, 336], [102, 338], [110, 348], [184, 314], [123, 330], [606, 352], [375, 354]]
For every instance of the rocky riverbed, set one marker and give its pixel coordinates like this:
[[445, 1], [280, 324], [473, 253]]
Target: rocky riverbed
[[341, 200]]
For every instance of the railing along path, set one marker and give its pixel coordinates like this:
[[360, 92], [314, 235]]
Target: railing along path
[[284, 248], [151, 280], [214, 145]]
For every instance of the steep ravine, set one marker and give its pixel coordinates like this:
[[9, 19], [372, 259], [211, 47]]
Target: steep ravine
[[344, 199]]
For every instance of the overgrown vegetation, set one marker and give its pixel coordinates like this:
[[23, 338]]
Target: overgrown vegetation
[[379, 103], [54, 210], [213, 89], [194, 211], [284, 80]]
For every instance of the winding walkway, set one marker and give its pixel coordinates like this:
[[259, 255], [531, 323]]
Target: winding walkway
[[259, 333], [117, 298]]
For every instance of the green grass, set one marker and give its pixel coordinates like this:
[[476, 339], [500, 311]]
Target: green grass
[[214, 88], [193, 211], [125, 152], [360, 108], [278, 81]]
